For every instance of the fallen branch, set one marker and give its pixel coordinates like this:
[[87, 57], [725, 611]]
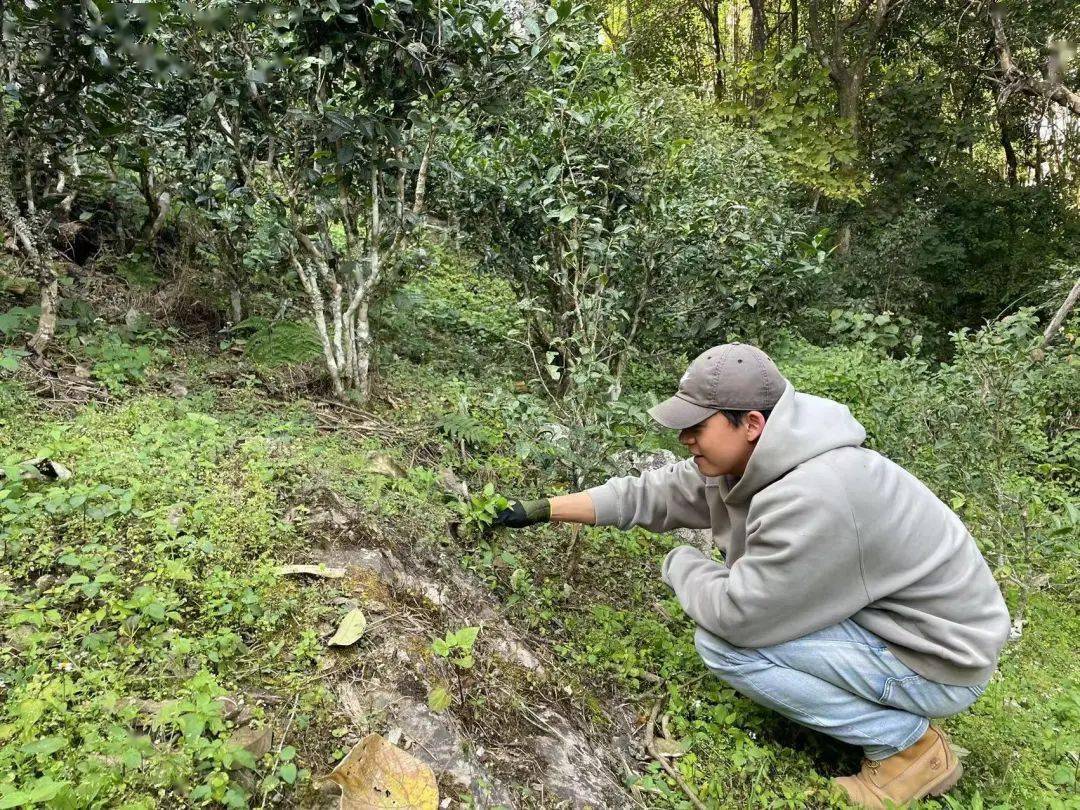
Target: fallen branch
[[1061, 314], [650, 747]]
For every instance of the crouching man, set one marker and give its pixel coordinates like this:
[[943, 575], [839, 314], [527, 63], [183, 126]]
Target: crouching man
[[850, 600]]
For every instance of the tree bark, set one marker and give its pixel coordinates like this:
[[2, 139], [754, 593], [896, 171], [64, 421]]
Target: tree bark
[[710, 11], [736, 44], [26, 234], [236, 302], [758, 29], [1007, 146], [309, 280], [1061, 314]]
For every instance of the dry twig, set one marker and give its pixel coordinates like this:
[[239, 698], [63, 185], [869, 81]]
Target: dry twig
[[667, 766]]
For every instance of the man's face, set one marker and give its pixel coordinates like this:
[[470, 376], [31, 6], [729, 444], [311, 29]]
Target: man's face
[[720, 449]]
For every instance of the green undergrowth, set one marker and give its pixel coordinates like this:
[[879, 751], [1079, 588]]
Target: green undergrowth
[[149, 576], [139, 591]]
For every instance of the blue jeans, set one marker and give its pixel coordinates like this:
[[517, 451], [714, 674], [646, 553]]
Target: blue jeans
[[842, 681]]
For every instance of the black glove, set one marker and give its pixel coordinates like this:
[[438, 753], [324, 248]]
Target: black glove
[[520, 514]]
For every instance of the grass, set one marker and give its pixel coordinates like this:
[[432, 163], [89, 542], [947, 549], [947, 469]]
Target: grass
[[134, 595]]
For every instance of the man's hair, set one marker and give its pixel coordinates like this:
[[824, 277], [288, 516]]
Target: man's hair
[[736, 418]]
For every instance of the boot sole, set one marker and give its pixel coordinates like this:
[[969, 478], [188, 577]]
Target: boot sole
[[948, 781]]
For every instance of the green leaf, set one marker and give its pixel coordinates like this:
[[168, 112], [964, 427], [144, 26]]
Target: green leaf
[[42, 791], [45, 745], [350, 630], [438, 699], [9, 359], [567, 213], [16, 799], [466, 637], [1064, 774], [287, 772]]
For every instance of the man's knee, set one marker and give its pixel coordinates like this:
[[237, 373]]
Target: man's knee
[[717, 653]]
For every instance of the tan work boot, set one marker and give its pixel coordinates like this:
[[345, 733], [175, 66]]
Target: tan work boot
[[928, 768]]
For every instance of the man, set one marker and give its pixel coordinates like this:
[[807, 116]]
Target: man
[[850, 600]]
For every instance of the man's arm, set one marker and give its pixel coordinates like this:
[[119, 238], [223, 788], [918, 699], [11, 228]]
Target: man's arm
[[574, 508], [659, 500], [802, 569]]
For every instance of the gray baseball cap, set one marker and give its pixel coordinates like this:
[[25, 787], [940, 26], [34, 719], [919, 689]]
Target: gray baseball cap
[[734, 376]]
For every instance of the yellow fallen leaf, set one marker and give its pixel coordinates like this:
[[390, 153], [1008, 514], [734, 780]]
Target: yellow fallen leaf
[[351, 628], [667, 748], [376, 775], [382, 464]]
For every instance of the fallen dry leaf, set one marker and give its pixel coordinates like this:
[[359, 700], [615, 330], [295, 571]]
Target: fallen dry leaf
[[257, 741], [350, 630], [312, 570], [667, 748], [382, 464], [376, 775]]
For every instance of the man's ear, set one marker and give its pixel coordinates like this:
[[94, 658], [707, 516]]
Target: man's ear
[[754, 423]]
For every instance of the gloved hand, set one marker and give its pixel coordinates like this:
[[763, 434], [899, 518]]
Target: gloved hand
[[520, 514]]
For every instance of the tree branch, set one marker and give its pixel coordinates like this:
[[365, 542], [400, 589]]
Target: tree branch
[[1016, 80], [1061, 315]]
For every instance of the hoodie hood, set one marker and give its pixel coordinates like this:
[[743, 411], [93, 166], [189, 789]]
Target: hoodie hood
[[800, 427]]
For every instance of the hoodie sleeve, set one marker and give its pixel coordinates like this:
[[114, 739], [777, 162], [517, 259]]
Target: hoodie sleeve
[[801, 571], [659, 500]]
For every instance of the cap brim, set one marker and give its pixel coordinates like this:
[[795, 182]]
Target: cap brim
[[677, 413]]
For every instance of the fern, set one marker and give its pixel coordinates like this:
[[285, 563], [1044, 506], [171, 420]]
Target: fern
[[462, 427]]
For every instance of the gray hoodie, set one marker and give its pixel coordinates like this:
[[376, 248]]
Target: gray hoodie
[[817, 530]]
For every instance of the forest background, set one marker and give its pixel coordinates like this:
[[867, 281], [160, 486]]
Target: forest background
[[284, 281]]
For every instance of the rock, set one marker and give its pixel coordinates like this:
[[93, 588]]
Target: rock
[[433, 738], [420, 587], [440, 744], [372, 559], [311, 570], [573, 771], [513, 650]]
